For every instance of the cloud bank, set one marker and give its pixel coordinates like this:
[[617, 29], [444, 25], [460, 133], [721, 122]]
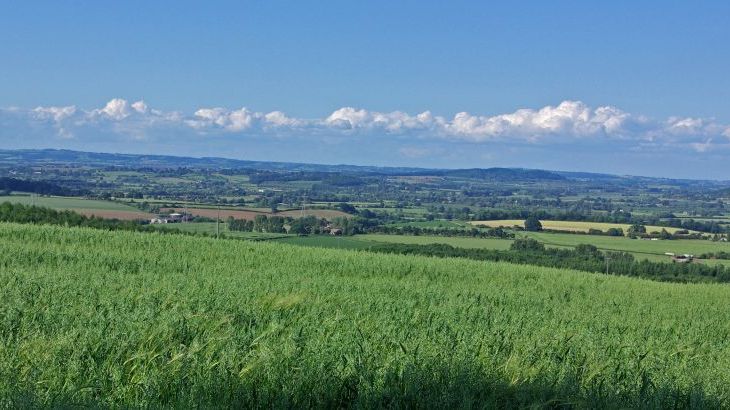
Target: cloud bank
[[568, 136], [569, 121]]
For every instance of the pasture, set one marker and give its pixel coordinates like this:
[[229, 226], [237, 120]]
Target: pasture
[[121, 319]]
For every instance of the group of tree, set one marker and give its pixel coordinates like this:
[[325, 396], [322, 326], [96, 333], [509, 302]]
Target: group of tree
[[278, 224], [428, 231], [8, 185]]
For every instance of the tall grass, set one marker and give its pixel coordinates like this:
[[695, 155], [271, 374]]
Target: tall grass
[[126, 319]]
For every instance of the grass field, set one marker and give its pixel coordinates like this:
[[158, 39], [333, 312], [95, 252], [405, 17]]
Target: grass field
[[88, 207], [120, 319], [568, 225]]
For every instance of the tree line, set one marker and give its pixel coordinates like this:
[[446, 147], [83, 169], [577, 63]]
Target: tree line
[[8, 185], [584, 258], [418, 231]]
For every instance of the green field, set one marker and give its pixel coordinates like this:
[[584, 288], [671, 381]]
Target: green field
[[57, 202], [120, 319]]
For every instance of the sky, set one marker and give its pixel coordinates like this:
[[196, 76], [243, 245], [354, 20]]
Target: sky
[[623, 87]]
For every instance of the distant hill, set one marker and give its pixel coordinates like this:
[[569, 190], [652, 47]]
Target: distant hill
[[503, 174], [39, 157], [55, 156]]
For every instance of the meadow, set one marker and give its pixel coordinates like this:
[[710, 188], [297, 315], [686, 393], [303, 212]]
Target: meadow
[[125, 319]]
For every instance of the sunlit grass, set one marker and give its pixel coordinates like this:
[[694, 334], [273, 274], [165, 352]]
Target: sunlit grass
[[129, 319]]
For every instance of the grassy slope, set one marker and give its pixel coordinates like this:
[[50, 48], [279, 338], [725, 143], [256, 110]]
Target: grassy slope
[[141, 319]]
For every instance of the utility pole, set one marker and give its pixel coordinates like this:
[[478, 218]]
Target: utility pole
[[218, 222], [304, 206]]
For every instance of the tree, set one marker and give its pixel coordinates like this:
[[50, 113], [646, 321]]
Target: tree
[[615, 232], [527, 244], [347, 208], [637, 229], [532, 224], [587, 250]]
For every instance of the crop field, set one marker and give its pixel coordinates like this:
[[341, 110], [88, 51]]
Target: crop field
[[88, 207], [567, 225], [121, 319]]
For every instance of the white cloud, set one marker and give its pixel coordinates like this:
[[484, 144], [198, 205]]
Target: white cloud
[[568, 119], [349, 118], [565, 122], [116, 109], [54, 113], [140, 107]]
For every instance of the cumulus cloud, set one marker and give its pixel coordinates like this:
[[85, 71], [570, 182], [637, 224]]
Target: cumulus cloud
[[569, 121]]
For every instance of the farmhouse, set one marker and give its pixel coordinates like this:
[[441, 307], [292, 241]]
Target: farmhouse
[[171, 218]]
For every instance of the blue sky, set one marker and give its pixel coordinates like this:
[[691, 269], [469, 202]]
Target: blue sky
[[621, 87]]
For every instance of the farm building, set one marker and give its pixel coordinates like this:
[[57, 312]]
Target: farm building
[[171, 218], [682, 258]]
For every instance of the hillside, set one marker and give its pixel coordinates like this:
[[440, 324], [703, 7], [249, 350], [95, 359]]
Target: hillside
[[128, 319]]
